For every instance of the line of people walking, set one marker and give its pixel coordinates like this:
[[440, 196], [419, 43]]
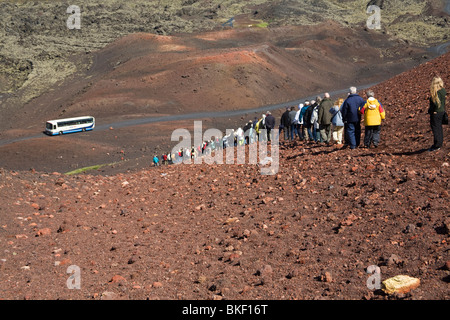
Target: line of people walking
[[322, 121], [325, 121], [251, 132]]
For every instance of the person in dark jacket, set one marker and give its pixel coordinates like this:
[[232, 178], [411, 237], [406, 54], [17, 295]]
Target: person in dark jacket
[[246, 129], [286, 123], [255, 121], [436, 112], [307, 125], [270, 124], [325, 118], [293, 128], [301, 119], [352, 117]]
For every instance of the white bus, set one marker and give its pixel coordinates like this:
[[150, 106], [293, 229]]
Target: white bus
[[69, 125]]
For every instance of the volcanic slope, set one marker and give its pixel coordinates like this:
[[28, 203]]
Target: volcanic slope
[[37, 45], [227, 232], [144, 75], [234, 69]]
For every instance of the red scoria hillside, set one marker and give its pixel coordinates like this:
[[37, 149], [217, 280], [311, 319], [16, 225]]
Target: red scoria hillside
[[227, 232], [405, 97]]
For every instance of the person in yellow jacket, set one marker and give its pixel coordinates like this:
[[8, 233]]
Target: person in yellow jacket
[[373, 113], [260, 128]]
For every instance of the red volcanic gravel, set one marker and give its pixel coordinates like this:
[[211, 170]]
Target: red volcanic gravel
[[309, 231]]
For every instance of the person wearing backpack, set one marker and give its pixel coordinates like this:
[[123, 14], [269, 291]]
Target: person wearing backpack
[[337, 122], [324, 118], [307, 121], [373, 115], [293, 127], [304, 122], [270, 124], [246, 129], [286, 123]]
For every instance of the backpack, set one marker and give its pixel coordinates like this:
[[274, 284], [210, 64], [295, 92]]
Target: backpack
[[308, 114]]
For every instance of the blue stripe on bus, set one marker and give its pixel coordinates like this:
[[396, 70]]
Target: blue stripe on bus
[[75, 130], [72, 131]]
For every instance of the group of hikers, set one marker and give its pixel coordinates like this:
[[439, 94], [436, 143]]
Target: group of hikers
[[337, 122], [248, 134], [321, 121]]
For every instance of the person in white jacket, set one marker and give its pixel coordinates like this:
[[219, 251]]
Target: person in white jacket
[[239, 134], [315, 122], [298, 122]]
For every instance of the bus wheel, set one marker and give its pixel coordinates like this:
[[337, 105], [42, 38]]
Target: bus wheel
[[84, 129], [60, 133]]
